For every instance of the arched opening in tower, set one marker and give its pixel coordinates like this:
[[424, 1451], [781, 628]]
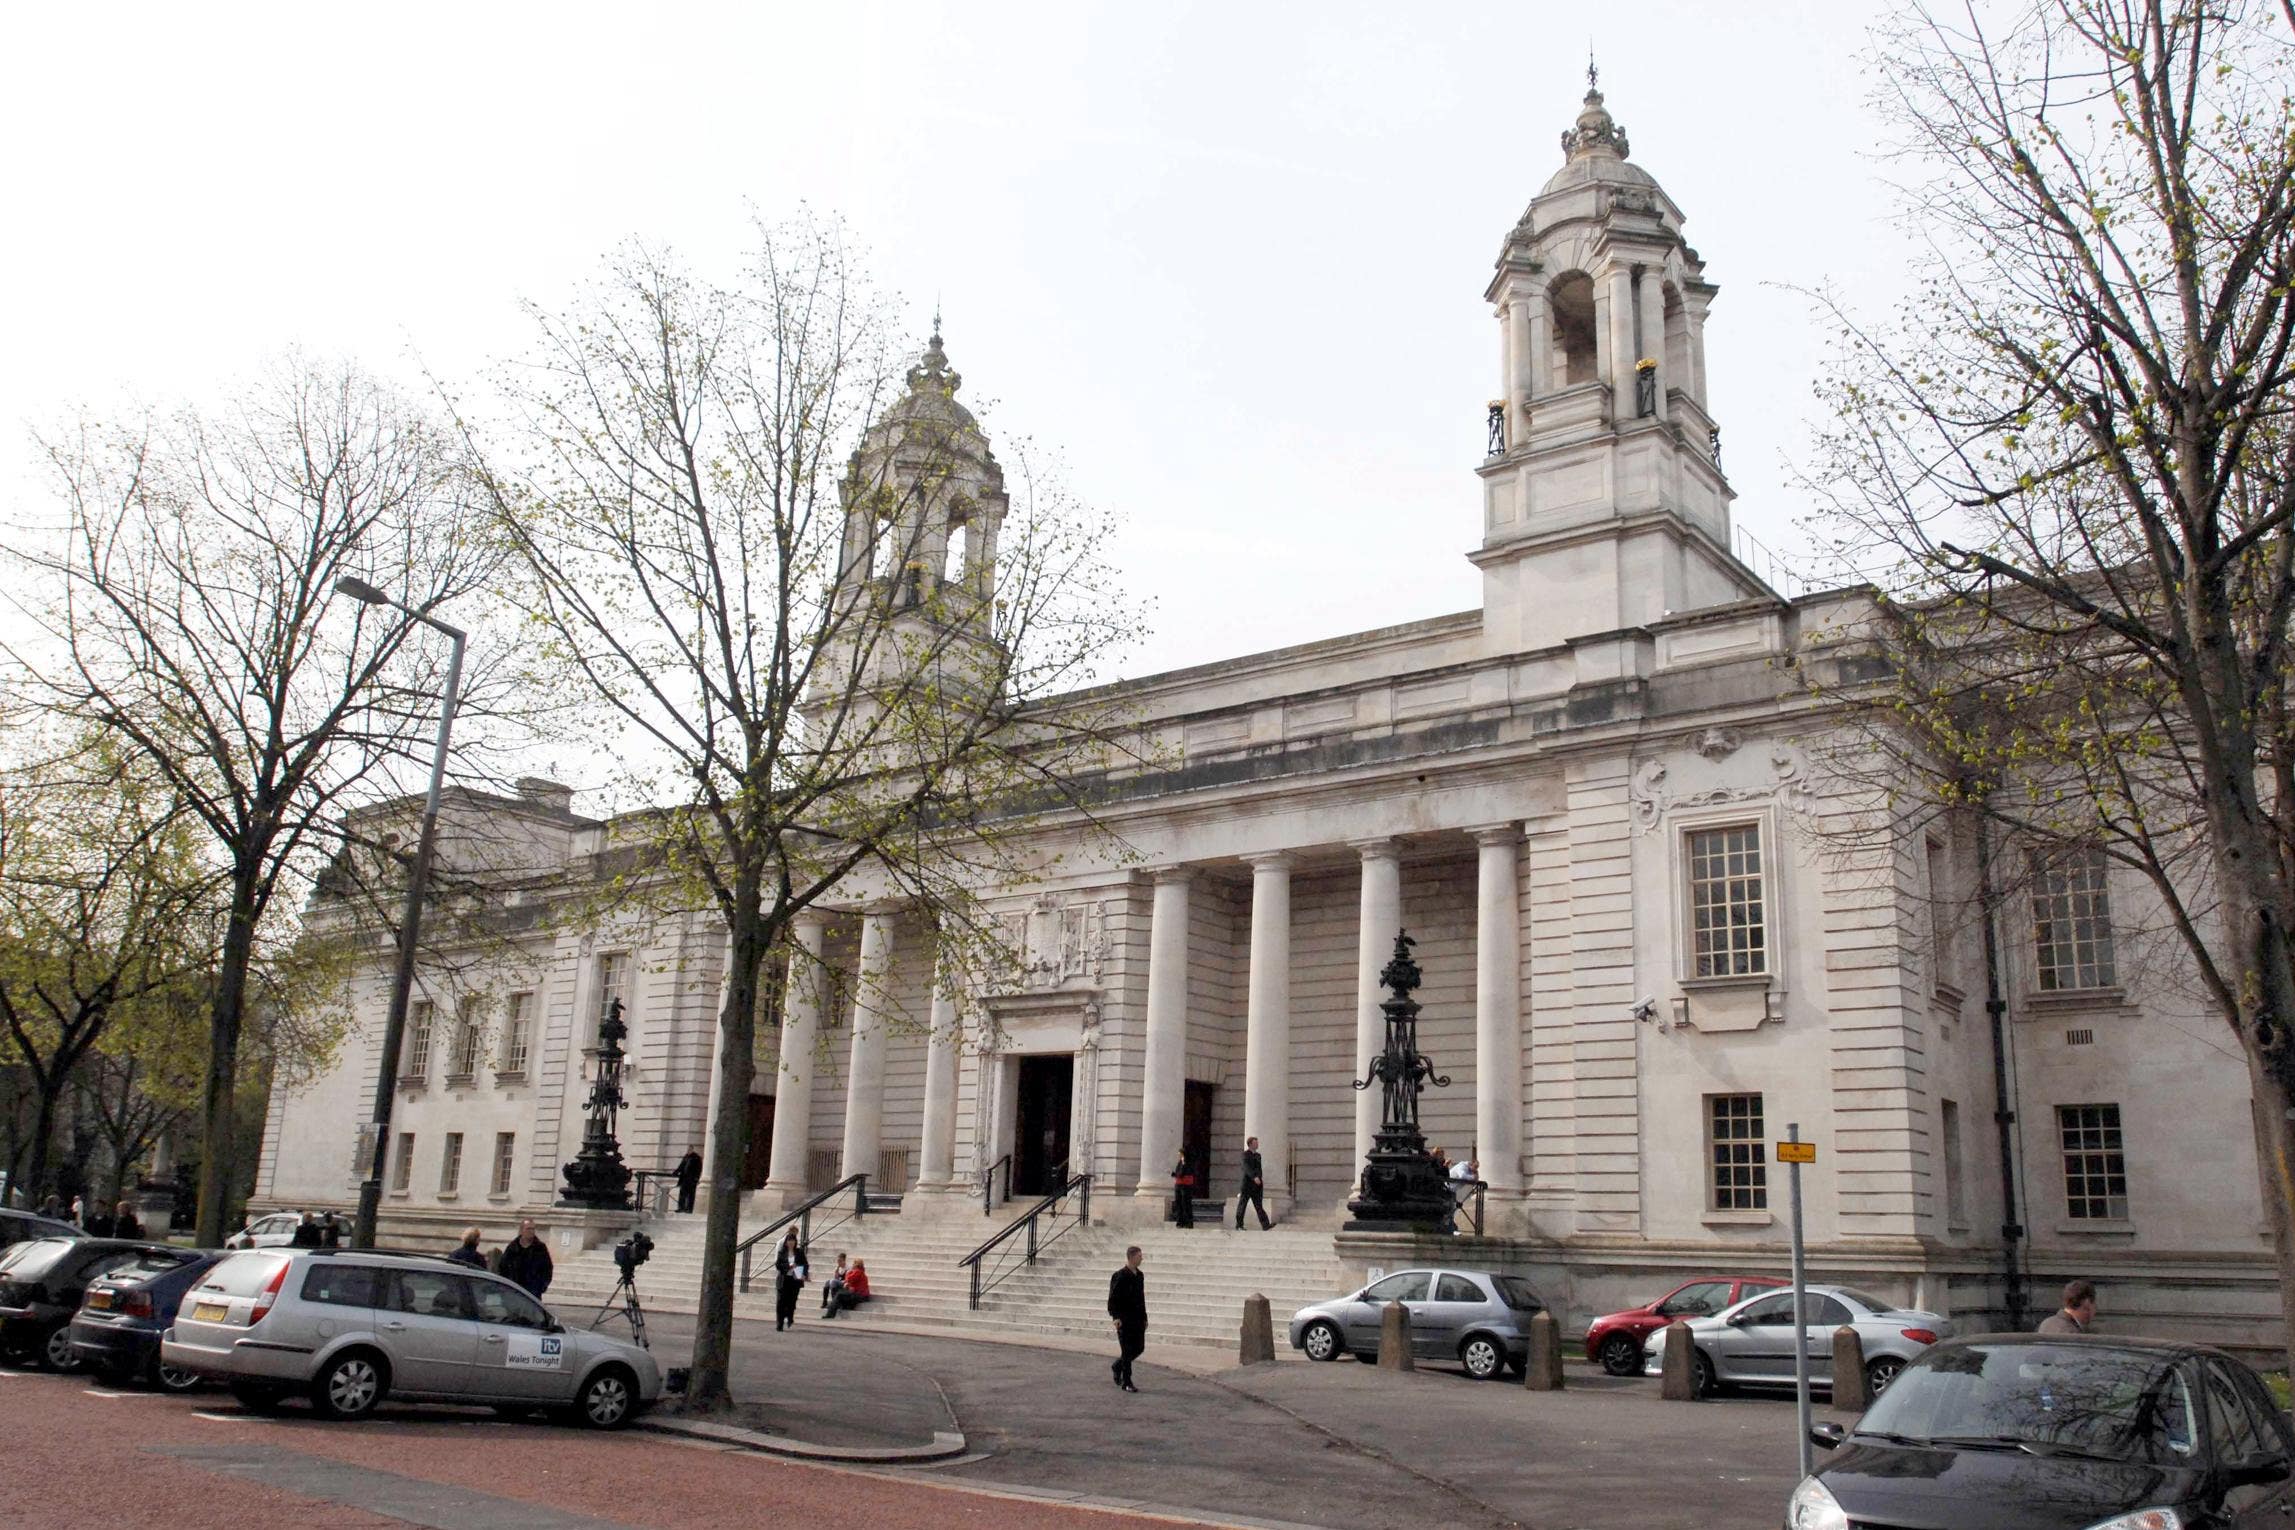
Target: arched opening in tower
[[1573, 301]]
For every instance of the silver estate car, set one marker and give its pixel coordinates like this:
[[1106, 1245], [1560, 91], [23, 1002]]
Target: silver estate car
[[348, 1327], [1751, 1344], [1479, 1319]]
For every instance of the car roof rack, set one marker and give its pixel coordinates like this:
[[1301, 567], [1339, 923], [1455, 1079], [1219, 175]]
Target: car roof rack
[[385, 1253]]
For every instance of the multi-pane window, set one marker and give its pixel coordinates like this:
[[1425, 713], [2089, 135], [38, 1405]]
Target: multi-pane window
[[505, 1154], [2095, 1164], [414, 1060], [1728, 928], [613, 983], [402, 1172], [2072, 921], [1735, 1139], [469, 1037], [450, 1166], [517, 1030], [1939, 916]]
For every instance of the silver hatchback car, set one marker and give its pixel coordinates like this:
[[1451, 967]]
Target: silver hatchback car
[[348, 1327], [1751, 1344], [1479, 1319]]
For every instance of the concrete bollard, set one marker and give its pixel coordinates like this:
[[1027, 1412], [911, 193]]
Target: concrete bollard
[[1394, 1338], [1680, 1372], [1544, 1372], [1849, 1371], [1258, 1344]]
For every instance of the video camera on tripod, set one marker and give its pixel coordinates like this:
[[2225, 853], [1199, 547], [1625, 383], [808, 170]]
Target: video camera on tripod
[[631, 1252]]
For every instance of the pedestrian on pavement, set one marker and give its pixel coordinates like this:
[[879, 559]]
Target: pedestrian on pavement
[[1127, 1308], [465, 1253], [2078, 1314], [331, 1231], [835, 1287], [98, 1221], [79, 1216], [306, 1234], [1254, 1186], [788, 1280], [52, 1209], [125, 1223], [688, 1178], [1182, 1192], [525, 1261], [852, 1289]]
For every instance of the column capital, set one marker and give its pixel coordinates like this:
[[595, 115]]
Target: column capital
[[1387, 848], [1508, 833], [1271, 860], [809, 921], [1166, 876]]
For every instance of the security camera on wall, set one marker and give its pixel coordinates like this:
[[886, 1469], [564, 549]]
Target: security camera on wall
[[1645, 1008]]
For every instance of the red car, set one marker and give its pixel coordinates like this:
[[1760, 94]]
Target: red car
[[1615, 1342]]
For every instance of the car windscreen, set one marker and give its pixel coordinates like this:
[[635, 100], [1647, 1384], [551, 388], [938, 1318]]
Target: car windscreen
[[2128, 1405], [33, 1261], [243, 1274], [1517, 1294]]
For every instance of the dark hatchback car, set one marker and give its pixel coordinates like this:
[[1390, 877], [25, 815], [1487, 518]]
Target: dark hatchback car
[[41, 1284], [126, 1309], [23, 1226], [2032, 1432]]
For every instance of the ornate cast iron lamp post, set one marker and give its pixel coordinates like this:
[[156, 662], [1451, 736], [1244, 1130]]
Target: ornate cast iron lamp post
[[1401, 1188], [597, 1177]]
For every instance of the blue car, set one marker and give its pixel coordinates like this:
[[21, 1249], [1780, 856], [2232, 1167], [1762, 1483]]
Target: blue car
[[116, 1332]]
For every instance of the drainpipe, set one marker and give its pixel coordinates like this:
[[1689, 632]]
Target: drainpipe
[[2004, 1103]]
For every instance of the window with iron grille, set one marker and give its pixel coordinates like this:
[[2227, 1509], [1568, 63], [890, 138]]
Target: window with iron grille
[[505, 1155], [414, 1061], [2095, 1165], [517, 1028], [469, 1038], [2072, 921], [450, 1167], [1728, 924], [1735, 1140], [402, 1172]]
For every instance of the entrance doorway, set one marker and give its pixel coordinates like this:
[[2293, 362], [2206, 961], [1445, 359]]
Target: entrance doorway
[[758, 1161], [1040, 1128], [1195, 1138]]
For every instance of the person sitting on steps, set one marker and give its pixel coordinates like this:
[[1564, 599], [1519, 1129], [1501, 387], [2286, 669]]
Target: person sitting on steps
[[834, 1287], [851, 1291]]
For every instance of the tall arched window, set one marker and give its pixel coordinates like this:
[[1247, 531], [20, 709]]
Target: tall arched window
[[1572, 298]]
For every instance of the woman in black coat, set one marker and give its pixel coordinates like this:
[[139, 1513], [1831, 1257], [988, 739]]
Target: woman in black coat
[[788, 1280]]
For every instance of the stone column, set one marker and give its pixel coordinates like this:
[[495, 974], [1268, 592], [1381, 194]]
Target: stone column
[[1693, 314], [793, 1087], [1621, 375], [1538, 357], [1653, 327], [939, 1167], [1267, 1025], [1520, 381], [1163, 1088], [1379, 921], [1509, 361], [1498, 1009], [865, 1078]]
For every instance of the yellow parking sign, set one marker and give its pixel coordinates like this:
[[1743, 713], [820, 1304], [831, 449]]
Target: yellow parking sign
[[1796, 1152]]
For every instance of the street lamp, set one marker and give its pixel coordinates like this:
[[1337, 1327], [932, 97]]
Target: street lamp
[[410, 926]]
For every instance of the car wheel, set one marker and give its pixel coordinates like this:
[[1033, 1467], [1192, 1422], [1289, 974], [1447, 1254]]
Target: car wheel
[[1880, 1372], [57, 1351], [1482, 1357], [1702, 1381], [1621, 1355], [608, 1400], [174, 1378], [256, 1399], [350, 1386], [1320, 1341]]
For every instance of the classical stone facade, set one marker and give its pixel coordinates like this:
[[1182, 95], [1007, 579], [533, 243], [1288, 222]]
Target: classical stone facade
[[1655, 929]]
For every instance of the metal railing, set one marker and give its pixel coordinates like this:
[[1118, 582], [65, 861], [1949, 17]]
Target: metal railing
[[1008, 1260], [1471, 1190], [653, 1191], [988, 1195], [802, 1215]]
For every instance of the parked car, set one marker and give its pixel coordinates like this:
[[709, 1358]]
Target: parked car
[[23, 1226], [2038, 1432], [349, 1327], [127, 1308], [1479, 1319], [1614, 1341], [276, 1230], [1751, 1344], [41, 1283]]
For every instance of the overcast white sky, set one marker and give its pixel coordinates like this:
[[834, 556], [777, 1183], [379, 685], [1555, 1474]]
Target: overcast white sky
[[1227, 260]]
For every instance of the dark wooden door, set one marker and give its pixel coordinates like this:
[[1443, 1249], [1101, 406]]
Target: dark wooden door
[[1040, 1148], [758, 1161], [1195, 1137]]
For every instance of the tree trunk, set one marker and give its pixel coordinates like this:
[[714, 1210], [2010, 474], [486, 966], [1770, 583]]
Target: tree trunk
[[706, 1390], [46, 1092], [217, 1136]]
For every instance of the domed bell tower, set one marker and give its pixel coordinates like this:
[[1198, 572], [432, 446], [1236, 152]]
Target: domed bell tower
[[1604, 505]]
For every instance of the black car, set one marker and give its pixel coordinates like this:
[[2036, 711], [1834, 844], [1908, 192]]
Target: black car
[[2034, 1432], [41, 1284], [23, 1226], [126, 1309]]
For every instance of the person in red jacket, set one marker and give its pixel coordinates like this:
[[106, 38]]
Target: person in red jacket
[[854, 1291]]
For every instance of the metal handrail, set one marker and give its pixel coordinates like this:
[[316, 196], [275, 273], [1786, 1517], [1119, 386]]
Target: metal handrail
[[1475, 1188], [1080, 1184], [656, 1183], [988, 1184], [802, 1215]]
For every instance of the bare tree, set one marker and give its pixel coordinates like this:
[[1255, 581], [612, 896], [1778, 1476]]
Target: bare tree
[[188, 616], [2071, 458], [824, 668]]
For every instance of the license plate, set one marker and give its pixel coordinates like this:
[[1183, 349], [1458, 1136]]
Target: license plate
[[210, 1312], [100, 1301]]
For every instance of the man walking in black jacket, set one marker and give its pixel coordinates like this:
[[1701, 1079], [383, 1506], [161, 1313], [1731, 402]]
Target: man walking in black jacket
[[1127, 1306], [688, 1178], [525, 1259], [1254, 1187]]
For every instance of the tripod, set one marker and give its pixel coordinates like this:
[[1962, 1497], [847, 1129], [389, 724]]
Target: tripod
[[624, 1303]]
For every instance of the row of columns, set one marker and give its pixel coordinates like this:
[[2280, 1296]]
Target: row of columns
[[1629, 324]]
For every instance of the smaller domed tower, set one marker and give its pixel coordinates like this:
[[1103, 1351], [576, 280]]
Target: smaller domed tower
[[1604, 501]]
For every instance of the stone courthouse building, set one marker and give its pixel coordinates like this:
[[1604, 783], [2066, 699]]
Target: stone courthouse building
[[1654, 929]]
